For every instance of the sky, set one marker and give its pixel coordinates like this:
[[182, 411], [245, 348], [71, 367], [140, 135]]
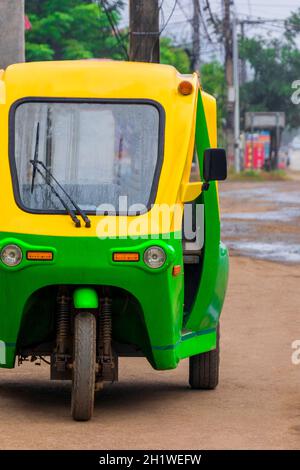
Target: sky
[[179, 28], [266, 8]]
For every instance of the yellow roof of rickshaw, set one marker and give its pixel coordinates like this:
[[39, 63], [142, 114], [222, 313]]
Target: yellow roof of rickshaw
[[92, 78]]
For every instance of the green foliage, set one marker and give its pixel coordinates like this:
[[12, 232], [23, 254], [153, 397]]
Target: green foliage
[[275, 65], [257, 175], [172, 55], [70, 29], [79, 29], [292, 26], [74, 49], [212, 77], [39, 52]]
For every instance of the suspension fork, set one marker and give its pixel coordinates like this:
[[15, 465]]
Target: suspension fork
[[60, 359], [63, 320], [106, 359]]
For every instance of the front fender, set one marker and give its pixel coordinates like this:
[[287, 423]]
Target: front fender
[[85, 298]]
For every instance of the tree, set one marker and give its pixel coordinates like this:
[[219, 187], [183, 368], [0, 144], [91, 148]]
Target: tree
[[174, 55], [70, 29], [212, 77], [80, 29], [292, 26], [275, 65]]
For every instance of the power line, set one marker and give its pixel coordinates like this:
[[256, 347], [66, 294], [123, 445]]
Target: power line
[[249, 7], [120, 39], [184, 12], [286, 5], [161, 10], [169, 18], [211, 16]]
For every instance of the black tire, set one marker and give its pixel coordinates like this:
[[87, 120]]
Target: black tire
[[84, 367], [204, 368]]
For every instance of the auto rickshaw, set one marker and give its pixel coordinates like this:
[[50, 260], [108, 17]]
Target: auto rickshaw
[[96, 178]]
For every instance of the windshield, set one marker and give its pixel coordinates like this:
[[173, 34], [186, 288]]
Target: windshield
[[97, 152]]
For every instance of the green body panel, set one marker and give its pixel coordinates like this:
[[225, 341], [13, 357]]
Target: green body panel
[[208, 303], [155, 327], [85, 297], [87, 262]]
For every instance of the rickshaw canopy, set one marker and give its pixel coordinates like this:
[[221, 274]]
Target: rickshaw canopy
[[108, 82]]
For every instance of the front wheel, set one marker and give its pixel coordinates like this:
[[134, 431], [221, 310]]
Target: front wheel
[[204, 368], [84, 367]]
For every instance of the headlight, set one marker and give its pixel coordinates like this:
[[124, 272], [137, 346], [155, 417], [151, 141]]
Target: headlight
[[11, 255], [155, 257]]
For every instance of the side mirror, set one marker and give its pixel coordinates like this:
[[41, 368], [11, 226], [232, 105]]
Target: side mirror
[[214, 165]]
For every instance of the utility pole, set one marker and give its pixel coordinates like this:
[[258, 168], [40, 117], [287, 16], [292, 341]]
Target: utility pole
[[227, 33], [144, 30], [12, 22], [236, 81], [196, 36], [243, 62]]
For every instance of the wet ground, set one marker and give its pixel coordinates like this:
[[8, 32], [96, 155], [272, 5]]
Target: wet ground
[[256, 405], [262, 220]]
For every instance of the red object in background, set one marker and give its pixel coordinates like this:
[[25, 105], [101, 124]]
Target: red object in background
[[27, 23], [254, 152], [258, 155], [248, 155]]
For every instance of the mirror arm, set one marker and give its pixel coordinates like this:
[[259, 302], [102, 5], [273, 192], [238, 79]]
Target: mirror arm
[[190, 191]]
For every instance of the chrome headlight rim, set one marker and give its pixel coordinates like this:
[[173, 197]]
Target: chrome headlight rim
[[18, 257], [155, 264]]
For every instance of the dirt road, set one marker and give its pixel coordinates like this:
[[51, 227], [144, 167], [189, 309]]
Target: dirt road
[[262, 219], [257, 404]]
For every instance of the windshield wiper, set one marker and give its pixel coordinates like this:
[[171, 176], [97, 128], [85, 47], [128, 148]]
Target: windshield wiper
[[48, 172], [34, 163], [53, 190], [36, 155]]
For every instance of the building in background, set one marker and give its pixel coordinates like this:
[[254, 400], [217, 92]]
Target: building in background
[[257, 150], [264, 140]]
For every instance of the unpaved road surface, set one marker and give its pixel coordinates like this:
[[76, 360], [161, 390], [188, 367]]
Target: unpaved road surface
[[262, 220], [257, 404]]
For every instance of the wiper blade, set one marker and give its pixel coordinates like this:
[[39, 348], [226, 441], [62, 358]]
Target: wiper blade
[[36, 155], [80, 211], [53, 190]]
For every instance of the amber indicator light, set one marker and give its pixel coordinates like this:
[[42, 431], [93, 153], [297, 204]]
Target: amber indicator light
[[126, 256], [39, 255], [185, 88], [176, 270]]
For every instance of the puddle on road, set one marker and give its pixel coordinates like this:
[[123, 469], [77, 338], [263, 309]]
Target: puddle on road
[[258, 234], [282, 252], [281, 215], [266, 194]]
